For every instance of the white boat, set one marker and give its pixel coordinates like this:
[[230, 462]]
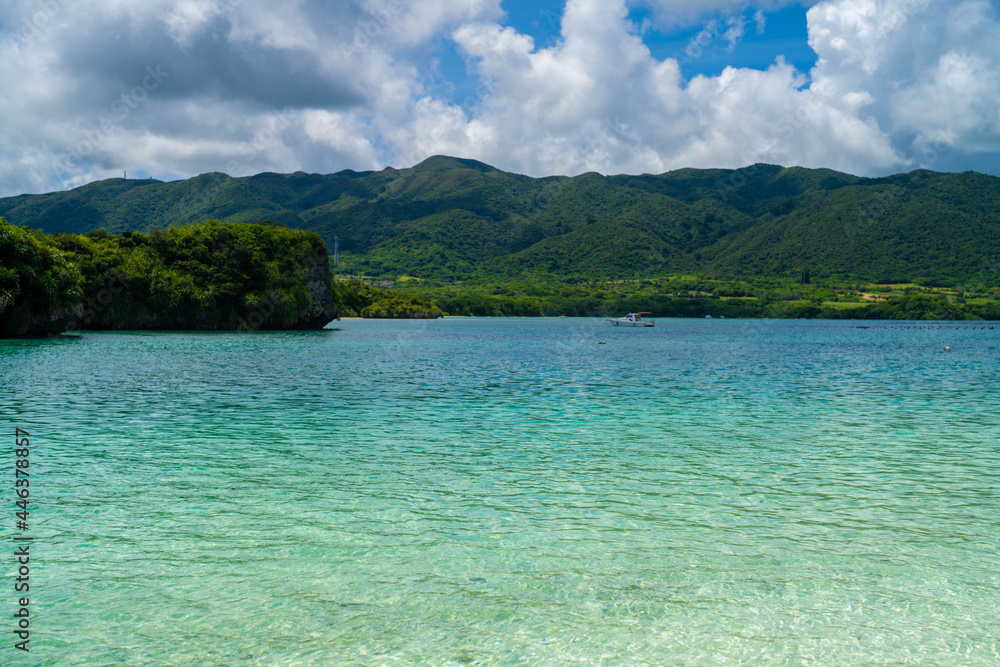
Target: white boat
[[631, 320]]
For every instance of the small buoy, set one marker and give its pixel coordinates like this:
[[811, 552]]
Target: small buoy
[[947, 349], [602, 343]]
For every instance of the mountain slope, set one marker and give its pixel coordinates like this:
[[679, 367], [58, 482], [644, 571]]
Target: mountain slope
[[451, 218]]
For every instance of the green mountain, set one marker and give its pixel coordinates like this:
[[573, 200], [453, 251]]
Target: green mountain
[[456, 219]]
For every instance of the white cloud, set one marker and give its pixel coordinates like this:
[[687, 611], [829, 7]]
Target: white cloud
[[760, 18], [927, 70], [736, 27], [341, 135], [416, 21], [598, 100], [83, 104], [187, 17]]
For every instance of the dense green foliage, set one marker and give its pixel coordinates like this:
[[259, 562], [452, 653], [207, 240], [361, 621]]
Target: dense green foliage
[[361, 299], [694, 296], [448, 219], [401, 306], [210, 276], [36, 282], [354, 296]]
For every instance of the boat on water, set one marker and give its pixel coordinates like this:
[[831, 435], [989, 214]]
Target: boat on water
[[631, 320]]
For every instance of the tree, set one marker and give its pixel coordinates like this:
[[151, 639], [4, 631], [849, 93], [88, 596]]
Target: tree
[[39, 287]]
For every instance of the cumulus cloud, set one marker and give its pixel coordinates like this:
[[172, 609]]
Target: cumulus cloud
[[181, 87], [173, 87], [82, 104], [599, 101], [926, 69], [420, 20]]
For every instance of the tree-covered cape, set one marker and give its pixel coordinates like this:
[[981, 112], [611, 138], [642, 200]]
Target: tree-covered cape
[[208, 276]]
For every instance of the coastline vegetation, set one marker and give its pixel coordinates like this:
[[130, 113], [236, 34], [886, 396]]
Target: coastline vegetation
[[209, 276], [37, 281], [248, 276], [402, 306], [696, 296]]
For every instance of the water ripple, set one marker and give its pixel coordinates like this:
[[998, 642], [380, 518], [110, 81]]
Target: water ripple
[[501, 492]]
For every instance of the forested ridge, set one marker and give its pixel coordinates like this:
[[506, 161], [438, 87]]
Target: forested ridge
[[449, 219]]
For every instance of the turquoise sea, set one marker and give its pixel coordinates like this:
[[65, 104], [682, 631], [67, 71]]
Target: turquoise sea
[[509, 492]]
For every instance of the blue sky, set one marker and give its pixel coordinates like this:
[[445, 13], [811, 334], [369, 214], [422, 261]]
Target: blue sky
[[869, 87], [782, 33]]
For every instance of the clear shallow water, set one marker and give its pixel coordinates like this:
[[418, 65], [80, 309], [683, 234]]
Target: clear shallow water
[[501, 492]]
